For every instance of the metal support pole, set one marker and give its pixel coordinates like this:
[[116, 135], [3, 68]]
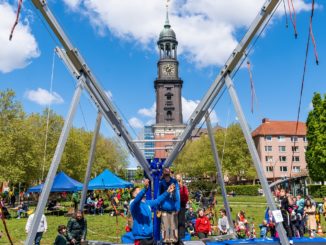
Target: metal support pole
[[90, 160], [254, 154], [55, 163], [219, 172]]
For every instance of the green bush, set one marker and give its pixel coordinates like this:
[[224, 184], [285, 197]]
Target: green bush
[[243, 190], [207, 186], [317, 190]]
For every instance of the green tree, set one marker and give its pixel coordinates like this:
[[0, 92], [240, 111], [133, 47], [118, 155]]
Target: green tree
[[316, 136], [23, 157], [196, 159]]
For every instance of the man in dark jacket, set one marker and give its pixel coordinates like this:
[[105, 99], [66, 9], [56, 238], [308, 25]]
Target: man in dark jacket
[[170, 208], [77, 229], [140, 209]]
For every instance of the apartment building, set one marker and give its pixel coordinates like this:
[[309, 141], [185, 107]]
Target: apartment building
[[281, 148]]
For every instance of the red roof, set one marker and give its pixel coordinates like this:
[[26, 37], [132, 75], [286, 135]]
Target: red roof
[[286, 128]]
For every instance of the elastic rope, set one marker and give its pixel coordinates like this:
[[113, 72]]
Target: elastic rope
[[286, 15], [48, 117], [20, 2], [293, 17], [5, 224], [252, 87], [311, 32], [302, 84]]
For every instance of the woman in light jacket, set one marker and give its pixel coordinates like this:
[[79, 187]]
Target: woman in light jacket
[[309, 213]]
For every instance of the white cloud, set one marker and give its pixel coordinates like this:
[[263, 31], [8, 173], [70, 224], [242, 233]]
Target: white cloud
[[148, 112], [72, 4], [206, 29], [310, 106], [108, 94], [188, 107], [19, 52], [135, 122], [43, 97]]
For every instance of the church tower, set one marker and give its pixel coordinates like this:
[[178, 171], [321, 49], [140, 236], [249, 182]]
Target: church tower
[[168, 85]]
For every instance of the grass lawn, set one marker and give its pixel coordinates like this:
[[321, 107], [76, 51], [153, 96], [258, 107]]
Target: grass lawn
[[102, 228], [105, 228]]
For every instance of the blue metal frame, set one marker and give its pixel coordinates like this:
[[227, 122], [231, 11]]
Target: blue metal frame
[[156, 166]]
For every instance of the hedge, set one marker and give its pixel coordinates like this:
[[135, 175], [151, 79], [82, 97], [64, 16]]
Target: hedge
[[207, 186], [317, 190]]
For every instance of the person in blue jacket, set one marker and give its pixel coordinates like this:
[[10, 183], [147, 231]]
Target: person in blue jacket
[[169, 208], [140, 209]]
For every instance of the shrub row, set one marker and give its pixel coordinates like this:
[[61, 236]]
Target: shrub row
[[317, 190], [207, 186]]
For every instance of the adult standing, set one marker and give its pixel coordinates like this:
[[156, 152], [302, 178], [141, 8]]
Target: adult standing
[[43, 226], [170, 208], [75, 200], [310, 212], [184, 197], [140, 209], [77, 229]]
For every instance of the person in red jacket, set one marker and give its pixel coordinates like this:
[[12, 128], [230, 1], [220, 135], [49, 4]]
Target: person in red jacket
[[202, 226], [184, 197]]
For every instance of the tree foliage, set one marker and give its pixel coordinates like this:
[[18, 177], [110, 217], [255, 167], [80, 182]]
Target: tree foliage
[[24, 158], [196, 159], [316, 136]]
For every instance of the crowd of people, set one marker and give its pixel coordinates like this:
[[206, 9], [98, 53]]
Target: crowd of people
[[178, 214]]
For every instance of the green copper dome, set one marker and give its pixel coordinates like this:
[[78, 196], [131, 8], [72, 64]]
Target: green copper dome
[[167, 34]]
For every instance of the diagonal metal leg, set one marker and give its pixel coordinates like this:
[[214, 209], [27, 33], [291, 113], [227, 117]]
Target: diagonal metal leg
[[219, 172], [253, 151], [90, 160], [55, 164]]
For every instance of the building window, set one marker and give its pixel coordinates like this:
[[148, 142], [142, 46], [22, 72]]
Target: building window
[[169, 115], [269, 158], [268, 138], [282, 158], [281, 138], [282, 148], [269, 168], [305, 148], [305, 139], [296, 159], [283, 168], [295, 148], [294, 138], [268, 148], [296, 169]]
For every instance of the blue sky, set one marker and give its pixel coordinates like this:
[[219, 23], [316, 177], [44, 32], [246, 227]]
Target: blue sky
[[118, 41]]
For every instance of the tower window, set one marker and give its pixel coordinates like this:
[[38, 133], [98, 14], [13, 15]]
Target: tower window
[[169, 116]]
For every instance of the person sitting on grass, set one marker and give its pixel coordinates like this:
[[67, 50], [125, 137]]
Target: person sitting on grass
[[140, 209], [61, 238], [203, 225], [223, 223], [22, 209], [77, 229]]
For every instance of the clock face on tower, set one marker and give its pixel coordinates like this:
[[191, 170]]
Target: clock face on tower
[[168, 70]]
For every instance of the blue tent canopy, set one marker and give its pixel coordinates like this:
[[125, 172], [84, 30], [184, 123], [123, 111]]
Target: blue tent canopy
[[108, 180], [62, 183]]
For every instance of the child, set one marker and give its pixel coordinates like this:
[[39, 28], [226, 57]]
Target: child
[[202, 226], [263, 229], [223, 223], [61, 238]]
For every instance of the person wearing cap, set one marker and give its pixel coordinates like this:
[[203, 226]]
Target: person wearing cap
[[140, 208], [169, 208]]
